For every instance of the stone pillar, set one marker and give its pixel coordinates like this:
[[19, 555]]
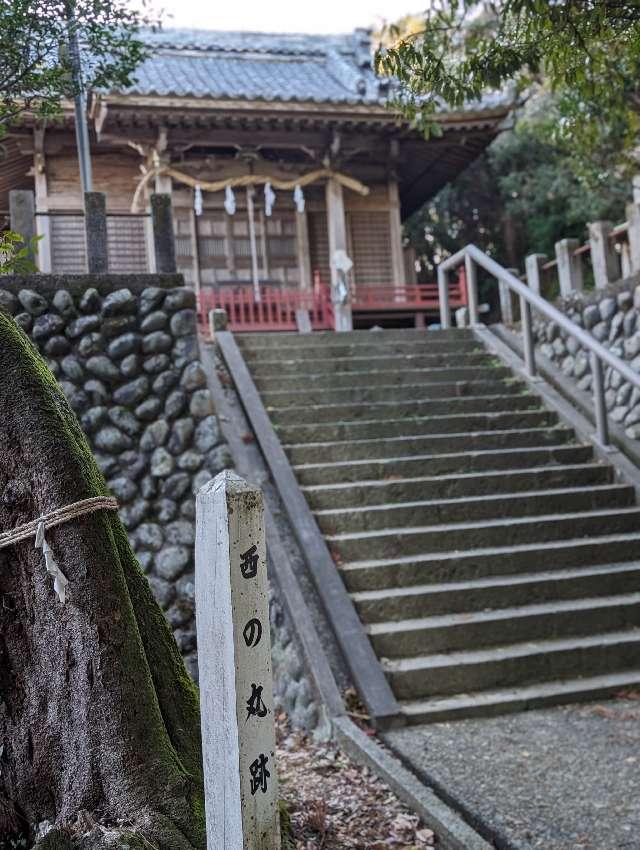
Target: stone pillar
[[605, 263], [533, 267], [163, 239], [95, 224], [337, 228], [633, 233], [22, 215], [569, 267]]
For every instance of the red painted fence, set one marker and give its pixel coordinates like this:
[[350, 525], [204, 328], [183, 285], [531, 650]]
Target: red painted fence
[[276, 310]]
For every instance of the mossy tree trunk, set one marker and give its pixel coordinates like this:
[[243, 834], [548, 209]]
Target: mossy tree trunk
[[99, 720]]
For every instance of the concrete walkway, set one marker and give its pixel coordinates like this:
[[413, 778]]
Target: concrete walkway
[[563, 778]]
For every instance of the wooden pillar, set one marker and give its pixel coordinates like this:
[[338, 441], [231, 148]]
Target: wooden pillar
[[397, 254], [533, 267], [604, 261], [234, 655], [43, 228], [304, 252], [569, 267], [337, 228]]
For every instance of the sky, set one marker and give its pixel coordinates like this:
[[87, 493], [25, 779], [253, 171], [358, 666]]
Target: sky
[[322, 16]]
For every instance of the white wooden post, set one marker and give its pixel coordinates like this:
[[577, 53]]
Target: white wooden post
[[234, 657], [533, 267], [606, 268], [569, 266]]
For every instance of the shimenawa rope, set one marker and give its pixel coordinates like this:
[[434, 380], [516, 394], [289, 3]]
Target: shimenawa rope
[[37, 528]]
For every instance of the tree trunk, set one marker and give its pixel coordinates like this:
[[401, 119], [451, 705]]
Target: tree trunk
[[99, 720]]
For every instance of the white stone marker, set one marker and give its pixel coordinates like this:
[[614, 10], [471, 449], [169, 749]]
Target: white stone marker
[[234, 659]]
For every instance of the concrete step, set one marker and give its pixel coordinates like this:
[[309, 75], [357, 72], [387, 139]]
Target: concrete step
[[368, 429], [389, 392], [503, 700], [477, 563], [455, 632], [494, 506], [441, 464], [461, 536], [512, 665], [484, 594], [327, 339], [418, 444], [379, 402], [449, 374], [373, 493], [308, 363]]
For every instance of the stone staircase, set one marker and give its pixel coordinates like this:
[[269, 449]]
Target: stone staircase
[[490, 556]]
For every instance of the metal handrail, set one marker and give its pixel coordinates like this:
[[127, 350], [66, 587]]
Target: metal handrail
[[472, 256]]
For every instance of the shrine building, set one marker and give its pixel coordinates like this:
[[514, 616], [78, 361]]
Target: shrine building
[[277, 151]]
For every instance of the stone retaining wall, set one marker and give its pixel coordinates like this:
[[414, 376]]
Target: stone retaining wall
[[127, 359], [128, 362], [613, 317]]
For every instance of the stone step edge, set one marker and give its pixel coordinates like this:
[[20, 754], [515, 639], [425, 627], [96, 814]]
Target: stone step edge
[[462, 618], [437, 434], [492, 551], [510, 651], [288, 409], [522, 495], [488, 414], [362, 373], [497, 473], [554, 447], [274, 362], [483, 523], [516, 697], [500, 581]]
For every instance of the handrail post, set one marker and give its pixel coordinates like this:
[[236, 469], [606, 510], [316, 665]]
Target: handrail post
[[472, 288], [602, 425], [527, 337], [443, 298]]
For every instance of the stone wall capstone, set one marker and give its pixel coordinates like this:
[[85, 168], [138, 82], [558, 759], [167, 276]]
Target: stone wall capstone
[[129, 365], [612, 316]]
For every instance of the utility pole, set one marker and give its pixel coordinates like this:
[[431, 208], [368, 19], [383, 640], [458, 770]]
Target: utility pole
[[82, 131]]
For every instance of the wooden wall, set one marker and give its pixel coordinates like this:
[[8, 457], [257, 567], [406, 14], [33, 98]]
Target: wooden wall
[[214, 247]]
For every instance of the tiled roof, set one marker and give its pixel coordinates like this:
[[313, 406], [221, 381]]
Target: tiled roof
[[261, 66]]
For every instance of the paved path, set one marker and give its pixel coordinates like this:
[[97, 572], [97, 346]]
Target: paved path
[[563, 778]]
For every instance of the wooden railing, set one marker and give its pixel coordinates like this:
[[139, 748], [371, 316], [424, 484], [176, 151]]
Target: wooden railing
[[278, 306], [275, 311], [407, 297]]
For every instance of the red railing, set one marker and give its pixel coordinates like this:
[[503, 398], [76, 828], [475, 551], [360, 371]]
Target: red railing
[[410, 297], [276, 310]]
